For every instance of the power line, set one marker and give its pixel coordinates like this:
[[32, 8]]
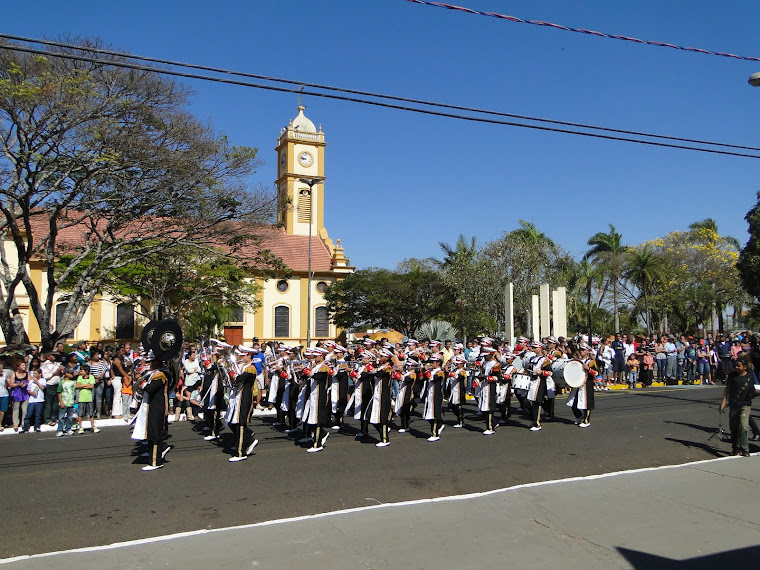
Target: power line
[[371, 94], [128, 65], [581, 30]]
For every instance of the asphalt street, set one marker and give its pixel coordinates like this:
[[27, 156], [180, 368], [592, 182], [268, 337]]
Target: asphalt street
[[87, 490]]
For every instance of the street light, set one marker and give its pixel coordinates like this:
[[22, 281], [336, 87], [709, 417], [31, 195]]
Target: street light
[[310, 182], [754, 79]]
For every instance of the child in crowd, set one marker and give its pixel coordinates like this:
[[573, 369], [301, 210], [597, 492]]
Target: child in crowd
[[632, 366], [85, 384], [66, 400], [36, 389]]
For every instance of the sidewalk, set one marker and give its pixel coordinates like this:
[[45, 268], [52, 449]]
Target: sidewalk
[[692, 516]]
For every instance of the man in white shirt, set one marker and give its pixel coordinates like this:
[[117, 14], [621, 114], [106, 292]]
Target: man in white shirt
[[51, 374]]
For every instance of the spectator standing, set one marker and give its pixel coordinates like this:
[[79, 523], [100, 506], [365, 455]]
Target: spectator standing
[[691, 361], [119, 371], [61, 355], [632, 364], [51, 373], [34, 410], [671, 364], [618, 360], [647, 366], [703, 362], [18, 384], [740, 389], [4, 394], [723, 348], [66, 400], [85, 384], [660, 358], [82, 353], [681, 345], [99, 369]]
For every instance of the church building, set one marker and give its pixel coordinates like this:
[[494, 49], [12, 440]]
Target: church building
[[292, 308]]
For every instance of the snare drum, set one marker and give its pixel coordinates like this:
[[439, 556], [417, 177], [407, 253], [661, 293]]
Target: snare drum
[[521, 381]]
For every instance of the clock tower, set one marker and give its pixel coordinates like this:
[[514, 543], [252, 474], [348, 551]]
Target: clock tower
[[300, 154]]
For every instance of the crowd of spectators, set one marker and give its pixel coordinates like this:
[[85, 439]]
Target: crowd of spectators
[[629, 359], [65, 388]]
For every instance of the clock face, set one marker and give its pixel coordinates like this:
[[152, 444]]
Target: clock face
[[282, 159], [305, 159]]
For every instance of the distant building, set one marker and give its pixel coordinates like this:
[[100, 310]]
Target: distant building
[[283, 310]]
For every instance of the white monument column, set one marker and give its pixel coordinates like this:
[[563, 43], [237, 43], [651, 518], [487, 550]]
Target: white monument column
[[544, 298], [559, 311], [534, 330], [509, 314]]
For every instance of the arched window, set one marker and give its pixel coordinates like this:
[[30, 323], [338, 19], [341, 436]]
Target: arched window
[[282, 321], [125, 320], [60, 309], [321, 322]]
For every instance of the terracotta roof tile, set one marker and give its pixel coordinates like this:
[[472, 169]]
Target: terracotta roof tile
[[294, 250]]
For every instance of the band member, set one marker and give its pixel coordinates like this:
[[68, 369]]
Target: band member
[[241, 407], [214, 401], [504, 389], [405, 396], [458, 381], [363, 392], [581, 400], [379, 410], [490, 374], [433, 394], [150, 423], [541, 371], [339, 387], [316, 412]]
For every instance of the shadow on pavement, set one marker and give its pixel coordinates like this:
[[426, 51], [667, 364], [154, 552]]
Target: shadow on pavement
[[739, 558]]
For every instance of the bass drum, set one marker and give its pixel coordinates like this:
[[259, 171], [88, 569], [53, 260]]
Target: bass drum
[[568, 372]]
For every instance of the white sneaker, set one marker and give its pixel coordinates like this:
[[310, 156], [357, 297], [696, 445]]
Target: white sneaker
[[236, 458], [80, 430], [211, 437], [584, 424], [166, 450], [535, 428], [305, 439], [335, 427], [250, 448], [314, 449], [489, 432], [324, 439], [434, 438], [441, 429], [152, 467], [96, 430], [458, 425], [59, 434], [30, 430], [402, 430], [383, 444]]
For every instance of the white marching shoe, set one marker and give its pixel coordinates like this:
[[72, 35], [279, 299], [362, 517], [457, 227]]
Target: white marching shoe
[[250, 448], [236, 458]]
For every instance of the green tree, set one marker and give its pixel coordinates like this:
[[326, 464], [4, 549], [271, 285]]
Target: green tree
[[112, 156], [461, 271], [607, 251], [640, 268], [388, 299], [749, 258]]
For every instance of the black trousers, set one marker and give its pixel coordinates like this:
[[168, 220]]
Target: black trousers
[[243, 437]]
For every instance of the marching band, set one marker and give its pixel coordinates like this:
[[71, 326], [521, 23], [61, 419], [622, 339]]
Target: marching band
[[375, 382]]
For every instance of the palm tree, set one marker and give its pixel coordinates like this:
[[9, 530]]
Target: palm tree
[[529, 234], [640, 268], [462, 251], [607, 251]]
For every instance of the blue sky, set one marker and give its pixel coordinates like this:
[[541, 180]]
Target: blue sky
[[398, 183]]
